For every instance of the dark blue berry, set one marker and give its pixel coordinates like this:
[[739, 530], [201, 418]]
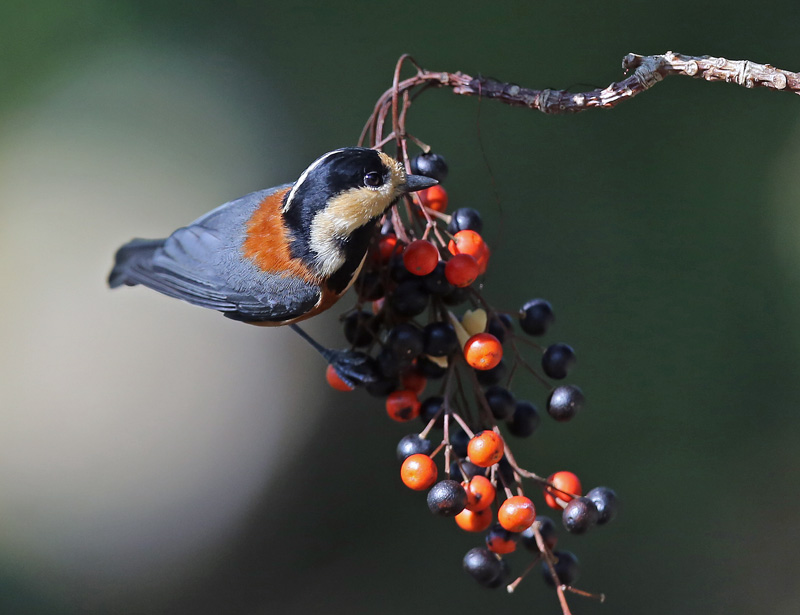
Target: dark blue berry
[[557, 360], [409, 298], [536, 316], [429, 369], [358, 328], [501, 402], [547, 528], [465, 219], [369, 286], [457, 296], [411, 445], [447, 498], [406, 342], [525, 420], [605, 500], [459, 440], [483, 565], [489, 377], [499, 325], [430, 408], [580, 515], [564, 402], [436, 283], [430, 165], [566, 567], [383, 385], [440, 339]]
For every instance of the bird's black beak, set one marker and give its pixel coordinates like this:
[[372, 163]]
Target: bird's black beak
[[418, 182]]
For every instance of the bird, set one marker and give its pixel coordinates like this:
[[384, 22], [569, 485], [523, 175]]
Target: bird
[[281, 255]]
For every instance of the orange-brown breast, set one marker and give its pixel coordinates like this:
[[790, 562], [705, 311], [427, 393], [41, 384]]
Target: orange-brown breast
[[267, 241]]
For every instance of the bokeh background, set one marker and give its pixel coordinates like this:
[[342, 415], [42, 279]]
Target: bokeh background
[[157, 458]]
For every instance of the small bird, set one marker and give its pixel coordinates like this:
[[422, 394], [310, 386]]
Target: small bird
[[281, 255]]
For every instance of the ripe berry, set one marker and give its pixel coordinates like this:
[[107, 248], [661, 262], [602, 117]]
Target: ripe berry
[[398, 272], [383, 386], [485, 449], [402, 405], [566, 567], [491, 377], [525, 420], [412, 444], [430, 164], [536, 316], [483, 351], [447, 498], [557, 360], [436, 282], [499, 325], [580, 515], [474, 521], [457, 296], [335, 381], [409, 298], [565, 486], [462, 270], [440, 339], [564, 402], [429, 369], [516, 513], [502, 579], [464, 471], [500, 540], [605, 500], [430, 408], [418, 472], [420, 257], [459, 440], [465, 219], [501, 402], [434, 198], [386, 247], [413, 380], [547, 529], [358, 328], [482, 565], [480, 493], [470, 242], [369, 286]]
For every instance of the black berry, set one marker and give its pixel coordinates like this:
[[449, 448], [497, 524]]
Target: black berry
[[525, 420], [430, 165], [564, 402], [536, 316], [358, 328], [483, 565], [409, 298], [406, 342], [580, 515], [411, 445], [557, 360], [440, 339], [547, 528], [465, 219], [605, 500], [501, 402], [447, 498], [566, 567]]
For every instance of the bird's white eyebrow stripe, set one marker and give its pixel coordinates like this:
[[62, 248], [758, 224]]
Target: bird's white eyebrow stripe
[[304, 175]]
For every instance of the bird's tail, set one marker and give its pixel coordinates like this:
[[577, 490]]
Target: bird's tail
[[136, 254]]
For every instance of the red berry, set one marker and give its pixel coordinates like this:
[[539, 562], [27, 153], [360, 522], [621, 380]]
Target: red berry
[[418, 472], [480, 493], [565, 486], [420, 257], [413, 380], [386, 248], [485, 449], [461, 270], [517, 513], [402, 405], [483, 351], [470, 242], [434, 197], [335, 381], [474, 521]]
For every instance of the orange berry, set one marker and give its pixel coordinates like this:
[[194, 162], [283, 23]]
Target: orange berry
[[402, 405], [418, 472], [565, 486], [461, 270], [470, 242], [474, 521], [483, 351], [485, 449], [480, 493], [434, 197], [517, 513], [335, 381]]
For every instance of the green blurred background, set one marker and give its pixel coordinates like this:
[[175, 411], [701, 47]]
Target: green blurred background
[[156, 458]]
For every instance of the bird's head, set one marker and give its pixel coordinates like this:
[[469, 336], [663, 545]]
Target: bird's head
[[332, 207]]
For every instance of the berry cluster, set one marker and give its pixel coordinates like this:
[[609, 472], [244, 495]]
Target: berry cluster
[[419, 272]]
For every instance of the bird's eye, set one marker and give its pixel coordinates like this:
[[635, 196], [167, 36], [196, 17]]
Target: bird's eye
[[373, 179]]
